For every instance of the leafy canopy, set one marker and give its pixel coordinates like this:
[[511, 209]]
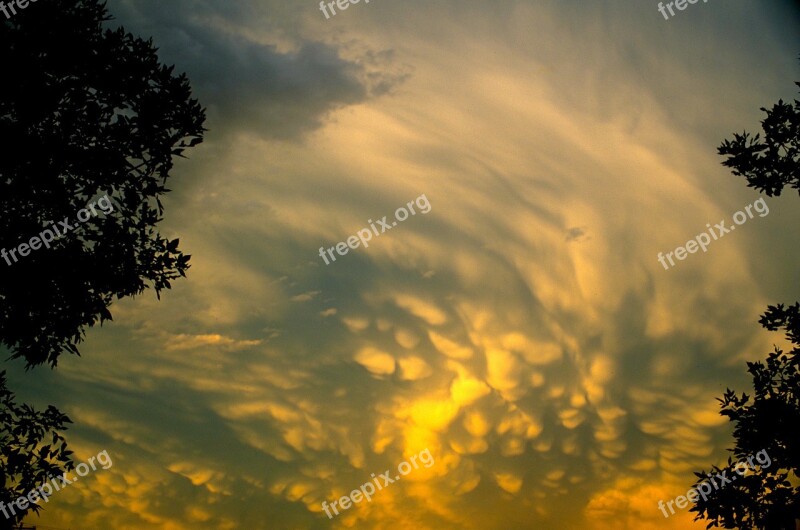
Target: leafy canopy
[[774, 162], [84, 111], [766, 421], [31, 451]]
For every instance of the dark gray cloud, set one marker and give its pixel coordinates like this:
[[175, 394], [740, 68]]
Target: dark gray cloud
[[575, 233], [247, 84]]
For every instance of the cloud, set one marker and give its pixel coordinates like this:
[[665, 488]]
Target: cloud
[[305, 297], [280, 90], [188, 342], [575, 233], [558, 385]]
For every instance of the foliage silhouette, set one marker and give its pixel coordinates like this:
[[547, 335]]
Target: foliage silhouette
[[86, 111], [773, 163], [31, 451], [768, 420]]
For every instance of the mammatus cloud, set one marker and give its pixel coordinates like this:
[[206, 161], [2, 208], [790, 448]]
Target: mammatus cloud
[[522, 331]]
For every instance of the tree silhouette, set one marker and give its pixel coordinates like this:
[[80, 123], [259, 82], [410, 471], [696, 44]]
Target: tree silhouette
[[766, 422], [31, 451], [773, 163], [84, 112], [90, 122]]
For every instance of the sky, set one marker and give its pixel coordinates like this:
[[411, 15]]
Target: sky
[[518, 328]]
